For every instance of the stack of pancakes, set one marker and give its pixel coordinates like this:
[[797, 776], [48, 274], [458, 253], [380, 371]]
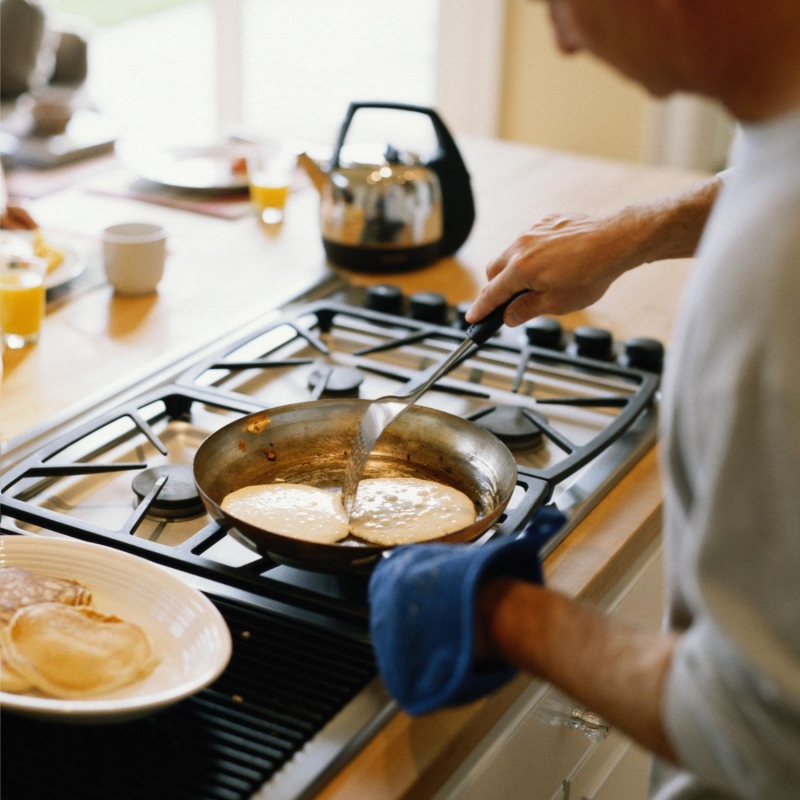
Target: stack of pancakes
[[51, 639]]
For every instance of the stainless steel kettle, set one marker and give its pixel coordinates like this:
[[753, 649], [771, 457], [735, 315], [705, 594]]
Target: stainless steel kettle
[[395, 215]]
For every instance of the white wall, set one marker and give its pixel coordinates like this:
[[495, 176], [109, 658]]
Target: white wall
[[574, 102]]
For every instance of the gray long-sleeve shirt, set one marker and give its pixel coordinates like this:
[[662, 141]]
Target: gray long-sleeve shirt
[[731, 459]]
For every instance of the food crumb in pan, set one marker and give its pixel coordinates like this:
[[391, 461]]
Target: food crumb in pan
[[257, 424]]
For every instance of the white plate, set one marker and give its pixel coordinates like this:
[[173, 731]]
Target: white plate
[[190, 636], [76, 258], [202, 168]]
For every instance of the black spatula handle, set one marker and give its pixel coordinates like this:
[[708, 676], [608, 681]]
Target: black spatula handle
[[482, 331]]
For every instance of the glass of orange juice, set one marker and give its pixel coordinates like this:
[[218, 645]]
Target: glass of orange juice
[[22, 297], [269, 175]]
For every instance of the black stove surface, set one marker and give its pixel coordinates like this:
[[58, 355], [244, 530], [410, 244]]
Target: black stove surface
[[285, 681]]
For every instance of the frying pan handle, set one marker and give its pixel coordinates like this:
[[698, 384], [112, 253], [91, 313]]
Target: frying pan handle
[[481, 332]]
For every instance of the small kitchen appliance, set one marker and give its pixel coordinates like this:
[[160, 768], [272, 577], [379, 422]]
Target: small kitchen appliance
[[397, 214]]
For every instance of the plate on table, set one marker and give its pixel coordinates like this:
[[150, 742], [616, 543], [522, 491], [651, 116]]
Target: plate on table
[[72, 257], [189, 635], [213, 168]]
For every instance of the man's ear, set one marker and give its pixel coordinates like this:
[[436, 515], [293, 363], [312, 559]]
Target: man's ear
[[565, 28]]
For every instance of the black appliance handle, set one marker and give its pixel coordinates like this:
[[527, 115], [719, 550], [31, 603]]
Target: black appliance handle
[[457, 200]]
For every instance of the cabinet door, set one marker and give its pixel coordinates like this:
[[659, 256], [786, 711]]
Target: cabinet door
[[541, 747], [528, 756], [622, 773]]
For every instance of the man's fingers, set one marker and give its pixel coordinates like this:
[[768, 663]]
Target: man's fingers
[[496, 267], [526, 307], [17, 218], [495, 293], [488, 300]]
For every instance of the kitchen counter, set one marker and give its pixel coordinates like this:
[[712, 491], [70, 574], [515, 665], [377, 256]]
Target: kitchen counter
[[221, 274]]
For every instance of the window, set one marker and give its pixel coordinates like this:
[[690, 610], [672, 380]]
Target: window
[[170, 71]]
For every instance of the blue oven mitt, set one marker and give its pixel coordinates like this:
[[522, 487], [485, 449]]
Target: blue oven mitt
[[422, 614]]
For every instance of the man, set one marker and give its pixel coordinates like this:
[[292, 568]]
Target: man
[[717, 696]]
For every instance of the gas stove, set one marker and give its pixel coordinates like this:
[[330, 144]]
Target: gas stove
[[576, 408]]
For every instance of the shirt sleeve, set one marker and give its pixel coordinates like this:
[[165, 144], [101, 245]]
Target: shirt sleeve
[[726, 723]]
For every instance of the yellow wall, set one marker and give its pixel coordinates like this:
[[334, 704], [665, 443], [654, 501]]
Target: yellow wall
[[572, 102]]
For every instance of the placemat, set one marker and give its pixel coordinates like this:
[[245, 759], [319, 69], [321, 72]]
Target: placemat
[[122, 183]]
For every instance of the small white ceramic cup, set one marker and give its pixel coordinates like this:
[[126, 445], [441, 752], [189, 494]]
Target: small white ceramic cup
[[133, 256]]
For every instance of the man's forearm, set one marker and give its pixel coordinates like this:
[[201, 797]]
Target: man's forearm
[[670, 227], [566, 262], [615, 670]]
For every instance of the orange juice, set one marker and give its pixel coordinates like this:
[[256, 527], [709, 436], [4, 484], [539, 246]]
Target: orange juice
[[269, 191], [269, 173], [21, 305]]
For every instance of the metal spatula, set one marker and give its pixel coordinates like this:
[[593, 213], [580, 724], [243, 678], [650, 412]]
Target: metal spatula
[[384, 410]]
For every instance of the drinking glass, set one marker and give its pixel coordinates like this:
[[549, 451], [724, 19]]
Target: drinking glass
[[269, 175], [22, 298]]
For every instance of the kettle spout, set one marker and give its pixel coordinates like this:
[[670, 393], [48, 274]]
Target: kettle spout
[[313, 171]]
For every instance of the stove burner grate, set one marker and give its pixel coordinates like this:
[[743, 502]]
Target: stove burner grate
[[517, 427], [178, 498], [335, 382]]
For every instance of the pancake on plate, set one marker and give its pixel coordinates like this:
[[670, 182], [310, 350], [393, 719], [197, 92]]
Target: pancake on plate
[[21, 587], [10, 679], [73, 652], [21, 245]]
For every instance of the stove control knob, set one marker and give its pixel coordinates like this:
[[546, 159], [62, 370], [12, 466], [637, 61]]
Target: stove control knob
[[544, 332], [646, 354], [593, 343], [461, 313], [429, 307], [386, 298]]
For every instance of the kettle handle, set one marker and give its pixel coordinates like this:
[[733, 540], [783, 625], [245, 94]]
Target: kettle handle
[[457, 200], [443, 137]]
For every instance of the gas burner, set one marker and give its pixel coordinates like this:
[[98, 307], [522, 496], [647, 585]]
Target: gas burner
[[335, 382], [516, 426], [178, 498]]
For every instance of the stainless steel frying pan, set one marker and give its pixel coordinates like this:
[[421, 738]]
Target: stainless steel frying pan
[[309, 443]]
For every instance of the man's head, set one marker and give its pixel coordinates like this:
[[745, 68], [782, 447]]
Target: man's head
[[742, 52]]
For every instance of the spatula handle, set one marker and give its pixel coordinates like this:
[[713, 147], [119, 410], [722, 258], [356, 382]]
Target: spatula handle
[[481, 332]]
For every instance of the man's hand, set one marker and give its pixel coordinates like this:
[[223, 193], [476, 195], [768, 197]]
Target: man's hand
[[566, 262], [16, 218], [422, 614]]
